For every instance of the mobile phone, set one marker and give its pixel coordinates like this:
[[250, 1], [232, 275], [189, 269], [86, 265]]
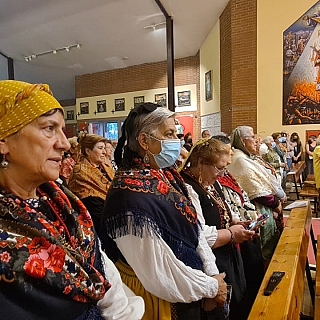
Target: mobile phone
[[255, 225]]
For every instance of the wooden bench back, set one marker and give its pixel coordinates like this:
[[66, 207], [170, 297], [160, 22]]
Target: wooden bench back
[[290, 256], [297, 169]]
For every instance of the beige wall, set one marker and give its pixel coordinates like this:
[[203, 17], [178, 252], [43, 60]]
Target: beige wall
[[273, 18], [210, 60]]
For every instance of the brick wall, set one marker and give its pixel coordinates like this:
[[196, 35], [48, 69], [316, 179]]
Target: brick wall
[[238, 65], [143, 77]]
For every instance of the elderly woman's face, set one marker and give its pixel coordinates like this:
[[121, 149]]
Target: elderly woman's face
[[211, 172], [250, 142], [166, 131], [35, 152], [109, 150], [97, 155]]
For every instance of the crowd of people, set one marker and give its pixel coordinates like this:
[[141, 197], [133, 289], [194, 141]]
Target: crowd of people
[[161, 228]]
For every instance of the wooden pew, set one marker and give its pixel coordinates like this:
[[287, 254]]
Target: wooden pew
[[296, 172], [310, 179], [309, 190], [317, 295], [290, 256]]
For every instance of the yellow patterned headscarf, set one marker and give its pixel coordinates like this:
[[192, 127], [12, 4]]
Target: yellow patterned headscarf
[[21, 103]]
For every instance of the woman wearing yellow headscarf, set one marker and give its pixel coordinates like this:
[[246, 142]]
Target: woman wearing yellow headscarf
[[51, 265]]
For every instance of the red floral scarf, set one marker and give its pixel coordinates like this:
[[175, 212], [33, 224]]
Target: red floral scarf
[[50, 241], [230, 182]]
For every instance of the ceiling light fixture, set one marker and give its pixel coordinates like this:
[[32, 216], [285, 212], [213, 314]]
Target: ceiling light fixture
[[54, 51], [154, 26]]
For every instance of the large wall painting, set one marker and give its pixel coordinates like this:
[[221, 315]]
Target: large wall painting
[[301, 69]]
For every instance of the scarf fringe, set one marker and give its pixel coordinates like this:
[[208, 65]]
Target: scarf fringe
[[140, 225]]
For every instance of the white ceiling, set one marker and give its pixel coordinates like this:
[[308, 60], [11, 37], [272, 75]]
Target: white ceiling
[[108, 31]]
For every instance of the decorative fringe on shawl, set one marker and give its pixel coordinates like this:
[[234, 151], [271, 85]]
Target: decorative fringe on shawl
[[140, 225]]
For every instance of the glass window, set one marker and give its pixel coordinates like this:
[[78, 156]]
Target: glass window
[[97, 128], [111, 130]]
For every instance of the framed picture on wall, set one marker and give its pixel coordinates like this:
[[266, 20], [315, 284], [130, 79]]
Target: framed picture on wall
[[84, 107], [208, 85], [184, 98], [161, 99], [119, 104], [101, 106], [309, 133], [138, 100], [70, 115]]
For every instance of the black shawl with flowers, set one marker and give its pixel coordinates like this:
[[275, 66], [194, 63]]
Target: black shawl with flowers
[[50, 265], [154, 201]]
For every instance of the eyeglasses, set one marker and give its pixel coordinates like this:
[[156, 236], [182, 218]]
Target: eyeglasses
[[251, 137], [220, 172]]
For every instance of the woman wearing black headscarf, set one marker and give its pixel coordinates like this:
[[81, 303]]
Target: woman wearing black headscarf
[[159, 247]]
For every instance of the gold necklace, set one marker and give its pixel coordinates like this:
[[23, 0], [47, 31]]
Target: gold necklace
[[213, 194]]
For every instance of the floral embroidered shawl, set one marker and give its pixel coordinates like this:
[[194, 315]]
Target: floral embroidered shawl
[[148, 199], [60, 253]]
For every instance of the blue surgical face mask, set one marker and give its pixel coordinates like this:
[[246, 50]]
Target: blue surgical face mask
[[181, 143], [273, 144], [170, 151]]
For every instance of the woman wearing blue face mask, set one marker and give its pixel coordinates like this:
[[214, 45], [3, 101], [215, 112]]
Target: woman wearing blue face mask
[[151, 225]]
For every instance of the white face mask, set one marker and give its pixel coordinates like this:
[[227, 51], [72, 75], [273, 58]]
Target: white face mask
[[170, 151]]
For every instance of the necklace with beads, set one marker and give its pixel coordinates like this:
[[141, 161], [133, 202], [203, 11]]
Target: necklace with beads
[[225, 214]]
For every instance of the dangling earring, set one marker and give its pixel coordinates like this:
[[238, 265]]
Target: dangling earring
[[200, 177], [4, 163], [146, 158]]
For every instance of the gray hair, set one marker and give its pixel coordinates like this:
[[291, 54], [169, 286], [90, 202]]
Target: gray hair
[[244, 131], [267, 139], [318, 141], [148, 123]]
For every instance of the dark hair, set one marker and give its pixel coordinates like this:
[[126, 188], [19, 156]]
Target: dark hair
[[311, 137], [275, 135], [180, 135], [186, 136], [51, 112], [222, 138], [204, 132], [295, 134]]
